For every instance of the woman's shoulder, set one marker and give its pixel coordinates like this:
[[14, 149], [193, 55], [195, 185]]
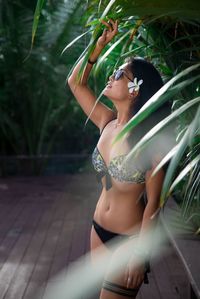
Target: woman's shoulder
[[106, 123]]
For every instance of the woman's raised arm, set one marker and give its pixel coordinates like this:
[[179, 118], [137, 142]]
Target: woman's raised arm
[[101, 114]]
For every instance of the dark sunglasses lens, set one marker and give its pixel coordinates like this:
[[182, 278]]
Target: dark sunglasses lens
[[118, 74]]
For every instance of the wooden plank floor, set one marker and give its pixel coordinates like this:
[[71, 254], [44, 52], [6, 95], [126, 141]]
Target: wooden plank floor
[[45, 224]]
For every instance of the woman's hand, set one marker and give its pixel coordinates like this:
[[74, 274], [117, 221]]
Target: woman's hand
[[108, 33], [134, 274]]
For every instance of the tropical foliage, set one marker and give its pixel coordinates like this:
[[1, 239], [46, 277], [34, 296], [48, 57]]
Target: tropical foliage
[[168, 34], [36, 107]]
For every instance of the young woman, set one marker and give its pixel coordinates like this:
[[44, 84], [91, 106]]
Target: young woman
[[119, 209]]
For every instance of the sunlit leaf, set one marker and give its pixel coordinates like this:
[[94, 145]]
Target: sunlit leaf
[[75, 40], [39, 6], [153, 103], [195, 126], [174, 162], [184, 172], [108, 7], [165, 159], [191, 190], [166, 121], [103, 57]]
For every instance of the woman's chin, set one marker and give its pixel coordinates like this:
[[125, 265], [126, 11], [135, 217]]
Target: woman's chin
[[106, 92]]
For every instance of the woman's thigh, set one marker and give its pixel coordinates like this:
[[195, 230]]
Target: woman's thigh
[[96, 243], [98, 251], [114, 285], [115, 282]]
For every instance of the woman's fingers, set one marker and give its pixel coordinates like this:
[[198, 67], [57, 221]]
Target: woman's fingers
[[126, 274], [104, 33], [137, 280], [114, 25], [132, 280], [128, 278], [129, 282], [108, 33], [111, 25], [107, 24]]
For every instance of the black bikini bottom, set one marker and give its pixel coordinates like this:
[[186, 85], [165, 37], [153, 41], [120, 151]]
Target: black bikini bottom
[[106, 235]]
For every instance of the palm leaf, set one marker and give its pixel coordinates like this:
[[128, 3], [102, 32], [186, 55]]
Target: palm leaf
[[97, 100], [167, 158], [59, 20], [174, 163], [111, 48], [178, 223], [39, 6], [79, 58], [96, 34], [152, 133], [191, 189], [75, 40], [195, 127], [153, 103], [108, 8], [187, 9], [184, 172]]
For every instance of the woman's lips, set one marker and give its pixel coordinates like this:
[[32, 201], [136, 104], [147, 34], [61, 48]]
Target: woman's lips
[[108, 85]]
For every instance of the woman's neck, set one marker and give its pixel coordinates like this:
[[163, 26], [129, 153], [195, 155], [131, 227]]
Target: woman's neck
[[122, 118], [123, 114]]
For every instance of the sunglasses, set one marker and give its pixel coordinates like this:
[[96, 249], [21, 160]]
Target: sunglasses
[[118, 74]]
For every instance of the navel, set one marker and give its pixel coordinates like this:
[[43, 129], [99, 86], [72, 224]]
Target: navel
[[107, 209]]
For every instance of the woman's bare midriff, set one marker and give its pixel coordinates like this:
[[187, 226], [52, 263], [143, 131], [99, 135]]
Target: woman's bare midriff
[[120, 209]]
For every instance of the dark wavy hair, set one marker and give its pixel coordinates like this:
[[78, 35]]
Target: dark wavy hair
[[152, 82]]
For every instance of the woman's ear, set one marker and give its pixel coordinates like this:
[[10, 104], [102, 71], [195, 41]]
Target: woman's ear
[[133, 94]]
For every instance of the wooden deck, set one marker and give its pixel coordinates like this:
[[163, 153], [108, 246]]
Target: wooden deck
[[45, 225]]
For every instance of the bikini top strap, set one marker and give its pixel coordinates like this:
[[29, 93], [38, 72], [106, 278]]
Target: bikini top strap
[[106, 125]]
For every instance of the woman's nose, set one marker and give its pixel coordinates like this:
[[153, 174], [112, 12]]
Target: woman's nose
[[111, 77]]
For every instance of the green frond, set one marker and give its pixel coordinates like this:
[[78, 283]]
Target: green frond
[[155, 101], [182, 146], [161, 125], [39, 6], [184, 172]]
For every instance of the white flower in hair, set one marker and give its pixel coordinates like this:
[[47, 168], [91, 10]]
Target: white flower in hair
[[134, 85]]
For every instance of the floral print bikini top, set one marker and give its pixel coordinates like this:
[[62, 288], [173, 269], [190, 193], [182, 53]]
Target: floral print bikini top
[[116, 169]]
